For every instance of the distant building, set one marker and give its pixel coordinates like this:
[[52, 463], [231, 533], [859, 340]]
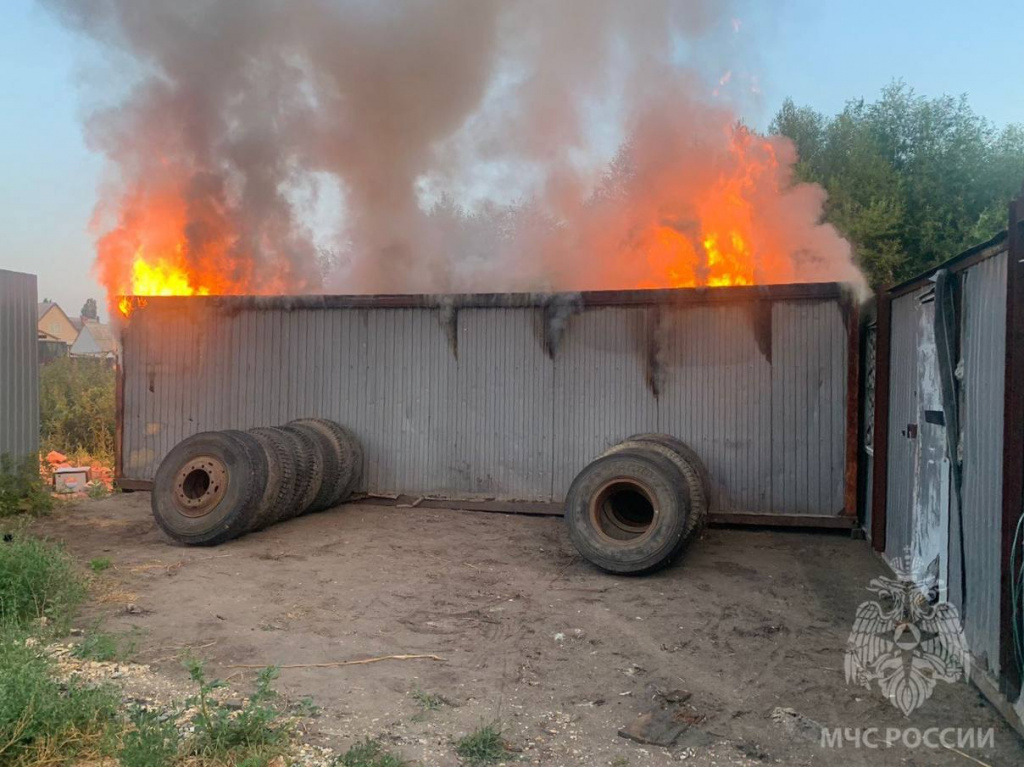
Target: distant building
[[50, 347], [55, 323], [95, 339]]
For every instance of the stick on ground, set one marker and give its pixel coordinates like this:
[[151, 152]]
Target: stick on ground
[[337, 664]]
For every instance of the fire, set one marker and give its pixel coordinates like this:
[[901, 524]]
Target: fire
[[157, 278], [159, 249], [719, 234]]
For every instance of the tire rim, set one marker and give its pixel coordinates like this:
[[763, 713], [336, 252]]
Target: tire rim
[[200, 485], [623, 510]]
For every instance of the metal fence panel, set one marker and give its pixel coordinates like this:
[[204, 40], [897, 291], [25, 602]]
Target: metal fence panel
[[19, 365], [903, 410], [489, 402], [983, 351], [808, 407]]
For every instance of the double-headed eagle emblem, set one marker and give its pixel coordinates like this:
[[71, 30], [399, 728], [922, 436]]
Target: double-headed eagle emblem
[[906, 641]]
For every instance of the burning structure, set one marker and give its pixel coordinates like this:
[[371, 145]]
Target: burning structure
[[337, 146]]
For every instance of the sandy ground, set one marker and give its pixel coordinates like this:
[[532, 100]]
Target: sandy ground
[[530, 635]]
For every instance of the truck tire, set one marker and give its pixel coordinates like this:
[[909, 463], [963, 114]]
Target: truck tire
[[307, 473], [325, 457], [209, 486], [628, 511], [683, 456], [686, 452], [350, 453], [282, 463]]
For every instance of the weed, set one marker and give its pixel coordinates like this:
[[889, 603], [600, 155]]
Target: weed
[[369, 753], [43, 721], [100, 646], [21, 487], [620, 761], [429, 701], [485, 745], [100, 564], [37, 580], [152, 741], [96, 490], [254, 734]]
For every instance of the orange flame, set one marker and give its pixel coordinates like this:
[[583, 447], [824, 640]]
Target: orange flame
[[725, 238], [151, 254]]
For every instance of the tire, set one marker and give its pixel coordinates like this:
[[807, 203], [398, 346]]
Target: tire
[[350, 453], [208, 488], [326, 456], [689, 464], [310, 471], [628, 512], [282, 462], [688, 453]]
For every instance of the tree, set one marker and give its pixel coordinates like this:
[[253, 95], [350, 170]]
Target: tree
[[911, 181], [89, 310]]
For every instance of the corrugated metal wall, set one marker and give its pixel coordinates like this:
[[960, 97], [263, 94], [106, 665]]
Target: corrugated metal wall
[[757, 387], [983, 351], [982, 361], [903, 410], [19, 365]]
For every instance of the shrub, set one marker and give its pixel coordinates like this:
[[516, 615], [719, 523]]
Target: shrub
[[21, 487], [253, 734], [37, 580], [43, 721], [76, 407]]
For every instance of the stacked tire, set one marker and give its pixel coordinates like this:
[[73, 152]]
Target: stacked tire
[[634, 508], [218, 485]]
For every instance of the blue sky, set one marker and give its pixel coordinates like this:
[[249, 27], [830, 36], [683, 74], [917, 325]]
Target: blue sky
[[821, 53]]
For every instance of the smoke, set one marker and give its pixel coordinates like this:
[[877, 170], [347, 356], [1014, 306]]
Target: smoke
[[476, 144]]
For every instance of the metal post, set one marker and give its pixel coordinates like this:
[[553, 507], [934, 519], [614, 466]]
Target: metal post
[[852, 410], [879, 489], [1013, 442]]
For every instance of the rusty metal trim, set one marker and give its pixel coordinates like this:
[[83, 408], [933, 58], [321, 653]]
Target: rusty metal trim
[[852, 409], [1013, 441], [124, 483], [879, 489], [594, 298]]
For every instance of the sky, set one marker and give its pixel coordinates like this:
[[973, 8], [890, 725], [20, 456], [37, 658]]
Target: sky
[[821, 54]]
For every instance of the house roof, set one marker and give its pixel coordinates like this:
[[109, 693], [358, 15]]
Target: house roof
[[101, 334], [43, 307]]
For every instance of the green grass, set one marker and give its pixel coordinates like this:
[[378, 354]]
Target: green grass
[[100, 564], [22, 490], [100, 646], [43, 721], [37, 580], [485, 745], [369, 753], [429, 701]]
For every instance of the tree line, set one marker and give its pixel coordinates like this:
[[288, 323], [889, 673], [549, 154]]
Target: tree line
[[911, 181]]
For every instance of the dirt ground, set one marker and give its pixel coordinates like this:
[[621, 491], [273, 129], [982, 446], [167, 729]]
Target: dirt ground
[[531, 636]]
